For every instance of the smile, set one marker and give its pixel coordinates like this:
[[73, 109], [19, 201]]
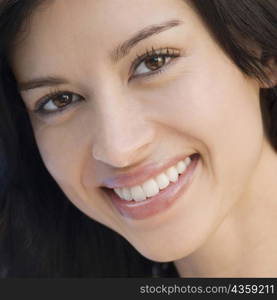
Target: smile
[[154, 185], [156, 194]]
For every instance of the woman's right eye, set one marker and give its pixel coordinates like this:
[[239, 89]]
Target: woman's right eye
[[57, 102]]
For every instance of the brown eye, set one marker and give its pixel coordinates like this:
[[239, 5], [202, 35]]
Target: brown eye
[[63, 100], [155, 62], [58, 101], [151, 64]]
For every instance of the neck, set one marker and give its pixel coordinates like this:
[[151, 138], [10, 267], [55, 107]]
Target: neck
[[245, 243]]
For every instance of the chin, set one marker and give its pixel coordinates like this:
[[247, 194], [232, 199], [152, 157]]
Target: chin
[[167, 246], [166, 252], [164, 256]]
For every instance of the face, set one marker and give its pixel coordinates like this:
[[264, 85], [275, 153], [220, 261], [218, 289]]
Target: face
[[121, 118]]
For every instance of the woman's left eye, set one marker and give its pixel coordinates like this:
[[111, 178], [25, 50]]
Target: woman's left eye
[[154, 61]]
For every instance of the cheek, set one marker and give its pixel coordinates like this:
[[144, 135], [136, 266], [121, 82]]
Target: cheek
[[63, 150], [221, 110], [215, 109], [64, 155]]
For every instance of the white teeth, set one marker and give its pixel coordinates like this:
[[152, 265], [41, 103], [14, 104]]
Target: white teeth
[[172, 174], [162, 181], [126, 194], [138, 193], [118, 192], [181, 167], [150, 188], [188, 161]]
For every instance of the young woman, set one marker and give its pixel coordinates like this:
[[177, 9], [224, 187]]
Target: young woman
[[138, 138]]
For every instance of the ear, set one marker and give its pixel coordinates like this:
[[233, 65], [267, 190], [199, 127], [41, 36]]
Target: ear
[[270, 69]]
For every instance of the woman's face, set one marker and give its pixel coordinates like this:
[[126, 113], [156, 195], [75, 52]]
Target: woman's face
[[123, 114]]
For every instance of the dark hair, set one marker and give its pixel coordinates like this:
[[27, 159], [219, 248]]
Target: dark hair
[[41, 233]]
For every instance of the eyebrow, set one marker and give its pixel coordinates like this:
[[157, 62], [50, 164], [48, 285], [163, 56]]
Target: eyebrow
[[40, 82], [123, 49], [117, 54]]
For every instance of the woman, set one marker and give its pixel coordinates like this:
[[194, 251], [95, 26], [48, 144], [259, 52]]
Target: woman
[[137, 134]]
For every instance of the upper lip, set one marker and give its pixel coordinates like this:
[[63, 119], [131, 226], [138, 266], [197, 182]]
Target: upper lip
[[140, 174]]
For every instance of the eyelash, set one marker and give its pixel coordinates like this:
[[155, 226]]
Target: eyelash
[[162, 52]]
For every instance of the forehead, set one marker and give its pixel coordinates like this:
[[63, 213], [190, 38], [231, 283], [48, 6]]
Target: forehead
[[66, 30], [88, 13]]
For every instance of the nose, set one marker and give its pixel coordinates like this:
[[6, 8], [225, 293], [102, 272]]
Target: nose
[[123, 135]]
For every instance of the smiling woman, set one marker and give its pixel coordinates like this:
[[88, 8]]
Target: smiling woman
[[138, 143]]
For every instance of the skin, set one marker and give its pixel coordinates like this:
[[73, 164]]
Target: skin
[[225, 223]]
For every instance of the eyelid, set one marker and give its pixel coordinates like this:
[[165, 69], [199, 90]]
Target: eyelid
[[148, 76], [166, 51], [45, 99]]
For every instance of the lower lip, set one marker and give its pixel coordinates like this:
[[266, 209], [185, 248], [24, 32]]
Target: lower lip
[[156, 204]]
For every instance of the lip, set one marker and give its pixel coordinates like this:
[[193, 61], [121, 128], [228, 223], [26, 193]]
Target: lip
[[141, 174], [156, 204]]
